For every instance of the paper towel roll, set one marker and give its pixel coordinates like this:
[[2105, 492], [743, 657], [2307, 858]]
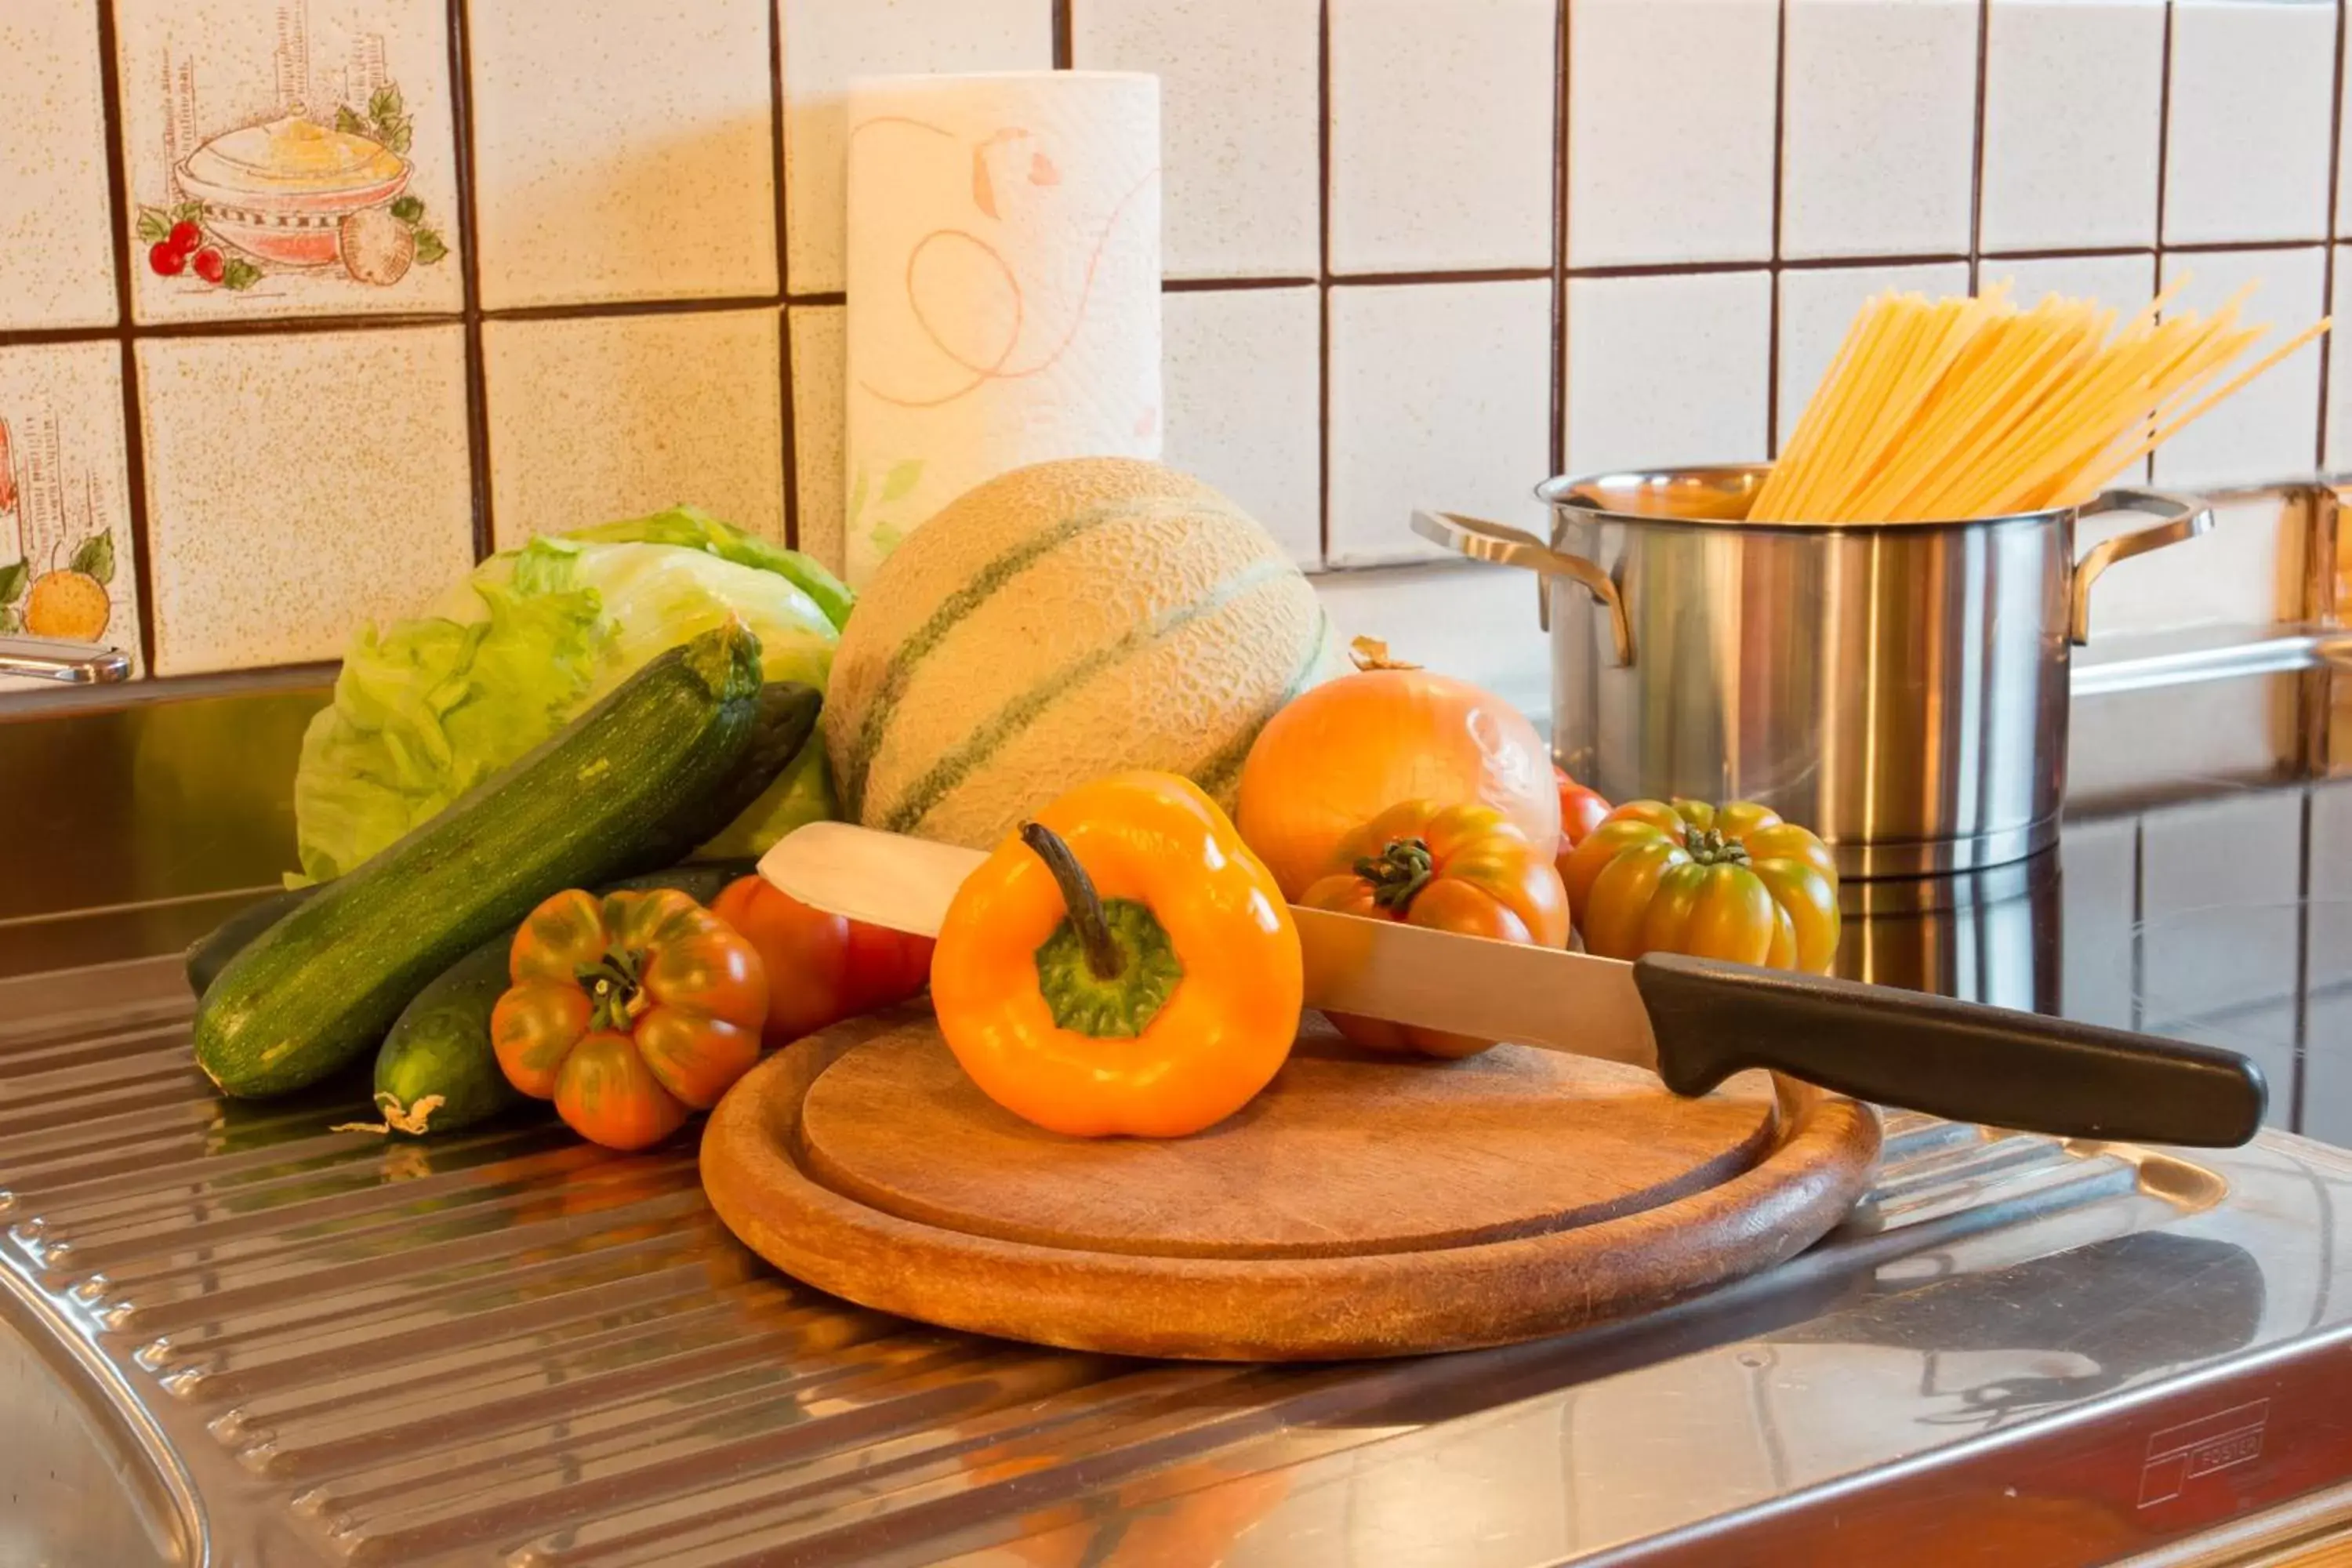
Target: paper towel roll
[[1003, 270]]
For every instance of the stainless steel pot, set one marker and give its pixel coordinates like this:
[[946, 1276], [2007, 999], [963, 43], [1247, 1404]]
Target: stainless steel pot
[[1899, 687]]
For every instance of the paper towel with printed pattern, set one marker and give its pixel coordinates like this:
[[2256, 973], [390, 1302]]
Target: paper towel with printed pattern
[[1003, 273]]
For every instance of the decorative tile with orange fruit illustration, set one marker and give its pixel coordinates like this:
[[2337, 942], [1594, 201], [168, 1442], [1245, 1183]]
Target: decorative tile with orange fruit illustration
[[65, 568], [289, 157]]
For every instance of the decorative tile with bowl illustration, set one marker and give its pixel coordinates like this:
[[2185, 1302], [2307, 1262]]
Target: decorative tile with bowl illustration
[[66, 549], [288, 158]]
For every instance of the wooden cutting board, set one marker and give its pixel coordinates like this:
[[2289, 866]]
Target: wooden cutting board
[[1362, 1206]]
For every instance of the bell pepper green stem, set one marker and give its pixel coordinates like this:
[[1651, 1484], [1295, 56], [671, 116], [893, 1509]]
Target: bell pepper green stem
[[1078, 896], [1109, 967]]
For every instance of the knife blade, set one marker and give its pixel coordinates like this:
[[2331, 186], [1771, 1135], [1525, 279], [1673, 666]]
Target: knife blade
[[1691, 1021]]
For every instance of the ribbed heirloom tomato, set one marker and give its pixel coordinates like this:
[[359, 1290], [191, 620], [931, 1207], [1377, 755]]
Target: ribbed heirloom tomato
[[630, 1012], [1733, 882], [1461, 869]]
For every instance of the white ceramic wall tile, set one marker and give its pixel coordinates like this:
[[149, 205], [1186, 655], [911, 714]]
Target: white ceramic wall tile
[[2121, 283], [1817, 306], [827, 42], [1879, 126], [613, 417], [1670, 165], [2219, 886], [2208, 729], [2344, 165], [57, 267], [2099, 870], [1238, 108], [2240, 575], [623, 150], [1442, 135], [1474, 622], [820, 472], [2062, 166], [1242, 369], [2328, 1083], [2267, 431], [2339, 377], [1441, 397], [68, 564], [299, 485], [222, 98], [2252, 83], [1665, 370], [2328, 945]]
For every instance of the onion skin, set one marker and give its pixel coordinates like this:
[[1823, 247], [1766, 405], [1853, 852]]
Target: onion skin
[[1346, 751]]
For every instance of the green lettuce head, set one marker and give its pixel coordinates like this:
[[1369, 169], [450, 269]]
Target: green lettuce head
[[426, 709]]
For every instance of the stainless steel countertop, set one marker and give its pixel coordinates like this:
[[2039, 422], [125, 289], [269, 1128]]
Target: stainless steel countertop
[[299, 1346]]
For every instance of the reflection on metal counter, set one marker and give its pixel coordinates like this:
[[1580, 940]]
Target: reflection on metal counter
[[506, 1347]]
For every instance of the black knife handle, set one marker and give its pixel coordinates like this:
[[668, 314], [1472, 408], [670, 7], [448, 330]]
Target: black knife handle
[[1960, 1060]]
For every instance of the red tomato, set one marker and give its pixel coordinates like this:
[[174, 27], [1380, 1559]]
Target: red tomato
[[821, 968], [1580, 809]]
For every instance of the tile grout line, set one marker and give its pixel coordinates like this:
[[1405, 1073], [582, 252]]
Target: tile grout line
[[477, 397], [1779, 172], [1977, 156], [2327, 254], [605, 309], [1323, 282], [1562, 154], [134, 429], [2302, 1027], [788, 453], [2163, 179], [2139, 923]]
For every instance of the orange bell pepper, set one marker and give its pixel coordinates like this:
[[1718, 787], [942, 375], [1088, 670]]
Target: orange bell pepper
[[1463, 868], [1123, 964], [1733, 882]]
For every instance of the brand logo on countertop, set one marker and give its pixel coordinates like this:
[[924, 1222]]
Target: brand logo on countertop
[[2180, 1455]]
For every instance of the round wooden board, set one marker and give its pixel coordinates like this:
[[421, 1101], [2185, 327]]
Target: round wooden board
[[1361, 1207]]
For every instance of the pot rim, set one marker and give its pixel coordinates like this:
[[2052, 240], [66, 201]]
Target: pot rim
[[1736, 484]]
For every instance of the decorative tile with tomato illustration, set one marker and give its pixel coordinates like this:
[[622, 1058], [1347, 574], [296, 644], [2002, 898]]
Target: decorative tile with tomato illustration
[[289, 157], [66, 549]]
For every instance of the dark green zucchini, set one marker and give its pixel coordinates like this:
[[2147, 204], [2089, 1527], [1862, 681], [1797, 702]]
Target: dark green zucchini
[[210, 953], [778, 733], [436, 1071], [631, 784]]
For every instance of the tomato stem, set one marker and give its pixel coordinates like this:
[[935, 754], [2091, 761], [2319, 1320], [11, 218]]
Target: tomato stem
[[1710, 848], [1078, 896], [1398, 873], [612, 983]]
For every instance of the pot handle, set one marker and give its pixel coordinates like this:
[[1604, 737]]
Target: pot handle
[[2185, 516], [1484, 540]]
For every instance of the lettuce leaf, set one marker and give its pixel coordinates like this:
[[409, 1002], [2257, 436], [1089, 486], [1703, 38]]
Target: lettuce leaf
[[426, 709]]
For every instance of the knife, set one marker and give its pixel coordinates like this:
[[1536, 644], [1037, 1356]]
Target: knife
[[1691, 1021]]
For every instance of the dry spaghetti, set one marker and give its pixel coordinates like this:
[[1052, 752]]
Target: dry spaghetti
[[1975, 407]]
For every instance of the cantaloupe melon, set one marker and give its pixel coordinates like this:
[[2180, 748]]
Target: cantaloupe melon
[[1061, 622]]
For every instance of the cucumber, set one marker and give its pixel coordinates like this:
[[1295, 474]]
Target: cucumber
[[209, 954], [631, 784], [437, 1070], [778, 734]]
